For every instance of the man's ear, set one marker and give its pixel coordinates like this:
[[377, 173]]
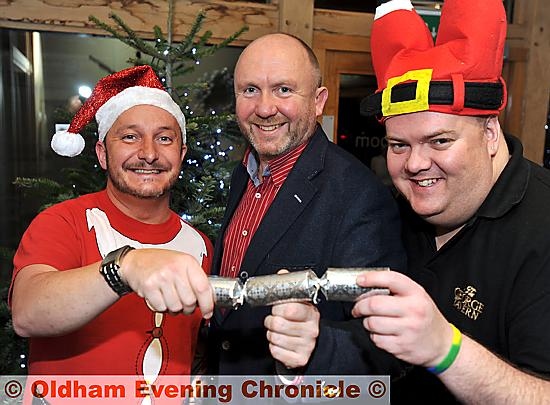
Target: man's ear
[[183, 152], [492, 132], [321, 96], [101, 153]]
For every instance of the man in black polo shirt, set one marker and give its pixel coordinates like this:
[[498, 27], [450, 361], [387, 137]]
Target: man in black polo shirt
[[472, 315]]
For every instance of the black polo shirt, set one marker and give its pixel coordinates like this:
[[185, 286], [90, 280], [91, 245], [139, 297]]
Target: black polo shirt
[[492, 279]]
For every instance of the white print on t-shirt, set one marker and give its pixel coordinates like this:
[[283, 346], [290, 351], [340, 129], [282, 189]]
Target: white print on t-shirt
[[187, 240]]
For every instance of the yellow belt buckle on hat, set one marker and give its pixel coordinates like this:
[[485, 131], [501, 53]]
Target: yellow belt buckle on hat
[[419, 103]]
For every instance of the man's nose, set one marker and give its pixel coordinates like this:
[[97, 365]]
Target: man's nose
[[148, 150], [419, 159], [266, 105]]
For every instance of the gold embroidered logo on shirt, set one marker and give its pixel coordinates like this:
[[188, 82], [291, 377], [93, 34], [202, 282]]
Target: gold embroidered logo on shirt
[[466, 304]]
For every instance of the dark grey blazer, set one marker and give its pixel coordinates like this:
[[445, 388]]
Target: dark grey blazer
[[331, 211]]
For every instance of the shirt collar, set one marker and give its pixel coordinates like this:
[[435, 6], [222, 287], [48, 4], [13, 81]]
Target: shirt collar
[[278, 168], [253, 167]]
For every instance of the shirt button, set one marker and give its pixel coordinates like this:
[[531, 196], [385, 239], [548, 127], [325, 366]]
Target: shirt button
[[244, 233], [258, 195], [226, 345]]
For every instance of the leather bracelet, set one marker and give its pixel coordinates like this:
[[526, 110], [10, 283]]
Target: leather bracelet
[[109, 270]]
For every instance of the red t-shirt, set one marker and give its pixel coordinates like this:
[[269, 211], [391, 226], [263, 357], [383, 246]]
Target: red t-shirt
[[128, 338]]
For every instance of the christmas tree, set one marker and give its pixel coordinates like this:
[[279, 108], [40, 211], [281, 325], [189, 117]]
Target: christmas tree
[[212, 134], [211, 130]]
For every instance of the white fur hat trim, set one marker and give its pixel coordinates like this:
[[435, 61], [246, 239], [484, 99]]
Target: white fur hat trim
[[108, 113]]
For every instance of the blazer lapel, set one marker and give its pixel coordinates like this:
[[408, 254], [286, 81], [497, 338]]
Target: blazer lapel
[[239, 182]]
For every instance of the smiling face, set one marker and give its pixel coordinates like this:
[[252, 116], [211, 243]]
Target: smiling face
[[142, 152], [278, 97], [443, 164]]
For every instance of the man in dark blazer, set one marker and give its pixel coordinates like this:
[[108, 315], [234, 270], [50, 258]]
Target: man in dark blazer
[[297, 202]]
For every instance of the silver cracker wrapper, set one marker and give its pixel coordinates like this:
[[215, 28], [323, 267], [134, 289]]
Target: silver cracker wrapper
[[339, 284], [278, 288], [228, 291]]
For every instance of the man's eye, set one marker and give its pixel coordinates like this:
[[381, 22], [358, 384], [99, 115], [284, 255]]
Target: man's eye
[[441, 142], [249, 90], [129, 137], [397, 147], [285, 90], [165, 139]]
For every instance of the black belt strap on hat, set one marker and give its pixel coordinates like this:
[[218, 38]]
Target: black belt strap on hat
[[482, 96]]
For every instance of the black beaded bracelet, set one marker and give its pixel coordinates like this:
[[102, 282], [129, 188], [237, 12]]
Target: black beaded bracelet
[[109, 269]]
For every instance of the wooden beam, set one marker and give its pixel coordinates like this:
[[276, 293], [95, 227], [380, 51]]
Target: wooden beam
[[511, 118], [296, 18], [342, 22], [341, 42], [223, 17], [537, 82], [517, 31]]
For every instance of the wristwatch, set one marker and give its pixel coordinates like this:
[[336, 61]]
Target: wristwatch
[[109, 270]]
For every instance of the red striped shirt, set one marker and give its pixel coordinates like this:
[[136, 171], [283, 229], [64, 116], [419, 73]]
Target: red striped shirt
[[254, 203]]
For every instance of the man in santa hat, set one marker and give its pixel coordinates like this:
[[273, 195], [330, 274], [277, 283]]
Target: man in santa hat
[[95, 277], [472, 315]]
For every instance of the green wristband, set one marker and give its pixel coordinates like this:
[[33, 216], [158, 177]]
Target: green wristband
[[451, 356]]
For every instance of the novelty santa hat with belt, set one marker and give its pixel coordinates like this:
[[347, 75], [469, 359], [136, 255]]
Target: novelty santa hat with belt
[[113, 95], [460, 75]]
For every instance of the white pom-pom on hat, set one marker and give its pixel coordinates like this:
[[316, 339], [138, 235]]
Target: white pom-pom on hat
[[67, 144]]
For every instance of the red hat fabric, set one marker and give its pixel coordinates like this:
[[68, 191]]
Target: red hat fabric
[[113, 95], [461, 74]]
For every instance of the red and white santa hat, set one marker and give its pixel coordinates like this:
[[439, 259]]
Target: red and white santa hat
[[461, 74], [113, 95]]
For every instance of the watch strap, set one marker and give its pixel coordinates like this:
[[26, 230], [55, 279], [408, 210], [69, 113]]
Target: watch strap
[[109, 269]]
